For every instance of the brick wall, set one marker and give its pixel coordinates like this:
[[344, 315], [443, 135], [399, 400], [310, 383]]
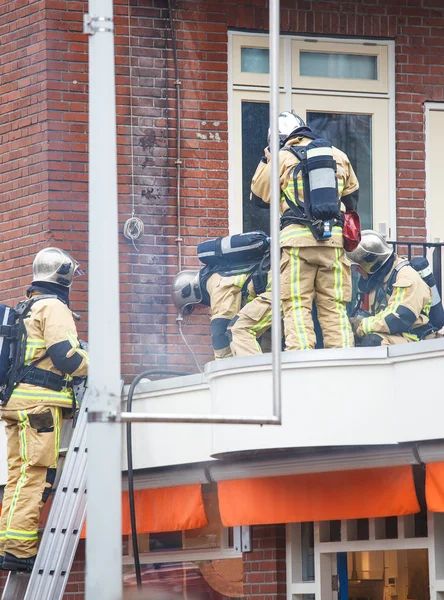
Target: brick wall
[[44, 118], [24, 145], [264, 567]]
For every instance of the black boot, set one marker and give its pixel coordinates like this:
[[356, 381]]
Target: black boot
[[12, 563]]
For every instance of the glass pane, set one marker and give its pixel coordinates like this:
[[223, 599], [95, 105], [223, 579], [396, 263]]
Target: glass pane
[[307, 548], [342, 66], [255, 118], [353, 135], [203, 580], [255, 60]]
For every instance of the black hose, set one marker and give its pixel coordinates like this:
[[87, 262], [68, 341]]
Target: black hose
[[129, 453]]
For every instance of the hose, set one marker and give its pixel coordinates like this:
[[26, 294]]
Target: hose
[[129, 452]]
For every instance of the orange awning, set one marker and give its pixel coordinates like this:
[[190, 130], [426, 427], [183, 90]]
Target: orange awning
[[164, 509], [435, 487], [363, 493]]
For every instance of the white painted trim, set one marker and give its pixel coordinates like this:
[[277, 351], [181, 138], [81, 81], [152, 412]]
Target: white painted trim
[[232, 225], [174, 556], [318, 38], [429, 106], [391, 75], [371, 545], [287, 73]]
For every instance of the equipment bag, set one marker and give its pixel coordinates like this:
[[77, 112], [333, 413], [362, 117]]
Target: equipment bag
[[351, 230], [321, 205], [436, 315], [7, 332], [234, 250]]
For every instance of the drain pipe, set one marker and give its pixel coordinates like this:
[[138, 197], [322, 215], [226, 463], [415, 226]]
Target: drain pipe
[[178, 161]]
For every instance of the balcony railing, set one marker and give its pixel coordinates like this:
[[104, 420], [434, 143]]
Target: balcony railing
[[430, 250]]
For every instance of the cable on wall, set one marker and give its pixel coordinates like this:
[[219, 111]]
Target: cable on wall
[[133, 228]]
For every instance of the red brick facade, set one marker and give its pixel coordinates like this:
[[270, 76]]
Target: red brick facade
[[264, 567], [43, 123]]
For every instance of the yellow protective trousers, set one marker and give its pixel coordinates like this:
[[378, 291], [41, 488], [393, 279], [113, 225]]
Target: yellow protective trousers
[[249, 325], [320, 274], [225, 301], [33, 440]]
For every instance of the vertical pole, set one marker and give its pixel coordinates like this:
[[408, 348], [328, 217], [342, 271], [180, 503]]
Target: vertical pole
[[104, 532], [342, 565], [276, 335]]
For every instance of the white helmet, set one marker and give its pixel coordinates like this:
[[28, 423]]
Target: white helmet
[[55, 266], [372, 251], [185, 289], [287, 123]]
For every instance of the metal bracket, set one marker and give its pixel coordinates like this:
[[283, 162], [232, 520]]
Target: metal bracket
[[103, 416], [92, 25], [242, 538], [335, 583]]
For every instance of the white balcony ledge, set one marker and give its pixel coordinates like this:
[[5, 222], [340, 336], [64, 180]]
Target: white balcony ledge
[[344, 397], [358, 398]]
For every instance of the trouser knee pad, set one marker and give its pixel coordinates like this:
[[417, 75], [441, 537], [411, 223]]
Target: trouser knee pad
[[372, 339], [219, 335]]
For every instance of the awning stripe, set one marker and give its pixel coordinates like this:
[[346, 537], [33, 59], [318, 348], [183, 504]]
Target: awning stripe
[[364, 493], [435, 487]]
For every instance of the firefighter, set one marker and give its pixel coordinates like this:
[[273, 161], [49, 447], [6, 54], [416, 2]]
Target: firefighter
[[37, 405], [223, 294], [313, 264], [399, 299]]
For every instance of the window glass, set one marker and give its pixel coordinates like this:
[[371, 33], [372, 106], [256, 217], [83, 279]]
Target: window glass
[[351, 133], [255, 60], [255, 119], [200, 580], [307, 548], [341, 66]]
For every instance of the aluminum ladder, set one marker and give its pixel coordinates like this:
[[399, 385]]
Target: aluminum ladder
[[64, 525]]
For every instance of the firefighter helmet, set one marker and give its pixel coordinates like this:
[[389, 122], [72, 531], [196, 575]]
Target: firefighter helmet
[[372, 251], [55, 266], [288, 122], [185, 289]]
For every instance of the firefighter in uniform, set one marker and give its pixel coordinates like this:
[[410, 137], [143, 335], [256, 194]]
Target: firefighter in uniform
[[37, 405], [250, 324], [311, 269], [223, 294], [399, 300]]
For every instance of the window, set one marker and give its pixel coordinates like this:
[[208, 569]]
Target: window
[[198, 563], [343, 91]]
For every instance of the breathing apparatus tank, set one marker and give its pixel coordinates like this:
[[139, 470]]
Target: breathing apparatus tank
[[422, 266]]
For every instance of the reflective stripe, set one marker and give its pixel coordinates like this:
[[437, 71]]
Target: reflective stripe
[[339, 300], [43, 395], [57, 432], [369, 322], [23, 420], [75, 344], [304, 231], [239, 280], [296, 300], [18, 534], [33, 344]]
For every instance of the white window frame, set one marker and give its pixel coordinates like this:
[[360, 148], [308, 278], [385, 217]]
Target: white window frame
[[234, 211], [325, 553], [429, 107]]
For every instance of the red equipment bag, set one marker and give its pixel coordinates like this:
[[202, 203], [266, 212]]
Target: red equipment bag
[[351, 231]]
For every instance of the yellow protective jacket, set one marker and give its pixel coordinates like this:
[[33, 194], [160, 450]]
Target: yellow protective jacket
[[50, 329], [296, 235], [405, 310]]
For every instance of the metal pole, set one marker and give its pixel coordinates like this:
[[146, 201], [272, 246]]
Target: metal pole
[[276, 335], [104, 535], [135, 417]]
